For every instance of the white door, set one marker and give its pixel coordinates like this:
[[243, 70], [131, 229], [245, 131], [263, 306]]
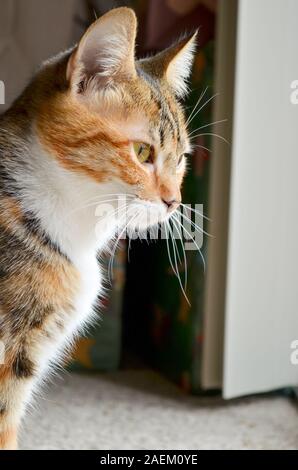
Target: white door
[[261, 316]]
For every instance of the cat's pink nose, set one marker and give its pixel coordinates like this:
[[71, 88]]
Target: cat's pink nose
[[171, 204]]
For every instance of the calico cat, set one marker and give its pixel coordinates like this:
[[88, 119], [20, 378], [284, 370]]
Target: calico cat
[[93, 124]]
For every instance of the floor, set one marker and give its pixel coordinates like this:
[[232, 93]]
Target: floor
[[138, 409]]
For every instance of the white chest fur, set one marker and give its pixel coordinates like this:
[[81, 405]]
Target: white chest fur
[[64, 203], [90, 288]]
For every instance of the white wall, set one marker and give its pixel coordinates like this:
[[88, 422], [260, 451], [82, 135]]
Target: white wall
[[262, 274]]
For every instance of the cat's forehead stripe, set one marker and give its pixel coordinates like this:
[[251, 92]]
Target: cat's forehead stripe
[[168, 116]]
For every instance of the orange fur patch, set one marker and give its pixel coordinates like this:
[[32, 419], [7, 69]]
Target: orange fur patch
[[52, 284], [5, 370], [10, 212], [76, 136], [8, 439]]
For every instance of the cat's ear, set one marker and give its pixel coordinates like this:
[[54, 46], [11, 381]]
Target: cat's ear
[[174, 64], [106, 52]]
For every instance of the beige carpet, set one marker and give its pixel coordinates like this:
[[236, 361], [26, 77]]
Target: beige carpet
[[140, 410]]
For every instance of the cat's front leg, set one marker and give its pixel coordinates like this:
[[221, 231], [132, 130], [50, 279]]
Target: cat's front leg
[[15, 390], [27, 361]]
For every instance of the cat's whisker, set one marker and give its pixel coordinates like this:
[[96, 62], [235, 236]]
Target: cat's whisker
[[175, 248], [194, 210], [87, 206], [112, 253], [120, 195], [211, 134], [174, 251], [115, 195], [128, 249], [197, 227], [96, 203], [168, 249], [207, 125], [188, 121], [201, 147], [193, 240], [108, 195], [203, 106], [176, 270], [133, 217], [178, 254], [177, 263], [183, 251], [119, 211]]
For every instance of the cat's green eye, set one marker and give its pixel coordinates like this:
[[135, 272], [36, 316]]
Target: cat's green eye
[[144, 152]]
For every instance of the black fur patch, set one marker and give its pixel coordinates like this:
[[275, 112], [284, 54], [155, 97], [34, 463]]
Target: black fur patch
[[2, 408], [10, 244], [38, 315], [3, 273], [25, 318], [22, 366], [8, 184], [161, 136]]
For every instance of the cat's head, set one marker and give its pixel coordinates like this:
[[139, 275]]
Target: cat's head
[[120, 121]]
